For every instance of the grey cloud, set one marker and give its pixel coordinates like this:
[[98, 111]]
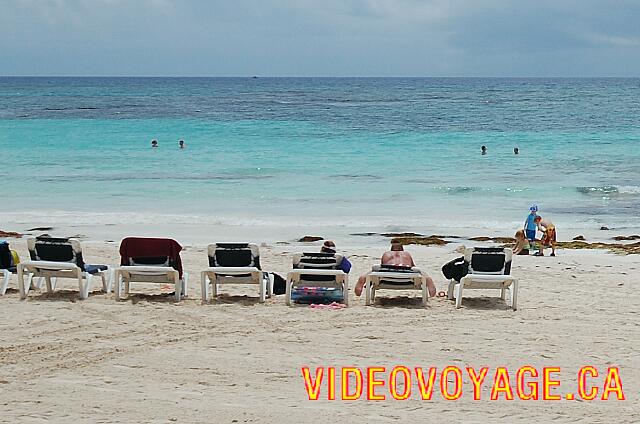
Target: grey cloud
[[308, 37]]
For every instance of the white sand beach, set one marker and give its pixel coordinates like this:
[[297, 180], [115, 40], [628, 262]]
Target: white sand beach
[[149, 359]]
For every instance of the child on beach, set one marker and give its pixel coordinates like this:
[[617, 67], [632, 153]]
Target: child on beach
[[530, 226], [522, 244], [548, 235]]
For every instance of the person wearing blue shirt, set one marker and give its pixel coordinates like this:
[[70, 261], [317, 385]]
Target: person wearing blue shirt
[[530, 225]]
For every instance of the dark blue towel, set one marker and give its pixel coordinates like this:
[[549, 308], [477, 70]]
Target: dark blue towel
[[93, 269]]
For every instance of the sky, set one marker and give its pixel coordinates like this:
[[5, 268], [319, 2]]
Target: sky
[[569, 38]]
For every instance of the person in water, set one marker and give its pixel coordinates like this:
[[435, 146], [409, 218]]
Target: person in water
[[181, 144], [396, 256], [154, 143], [516, 151], [483, 149]]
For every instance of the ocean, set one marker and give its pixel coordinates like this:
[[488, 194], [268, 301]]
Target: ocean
[[366, 154]]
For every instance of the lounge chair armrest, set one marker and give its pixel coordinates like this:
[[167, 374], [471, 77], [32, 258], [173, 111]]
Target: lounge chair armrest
[[233, 270], [135, 269], [316, 272], [49, 265]]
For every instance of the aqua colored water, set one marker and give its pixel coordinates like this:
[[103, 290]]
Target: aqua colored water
[[369, 153]]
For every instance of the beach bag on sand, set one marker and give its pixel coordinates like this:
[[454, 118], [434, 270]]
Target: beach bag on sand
[[455, 269], [279, 284], [15, 259]]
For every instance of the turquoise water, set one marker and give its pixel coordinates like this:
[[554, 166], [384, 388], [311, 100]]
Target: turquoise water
[[373, 153]]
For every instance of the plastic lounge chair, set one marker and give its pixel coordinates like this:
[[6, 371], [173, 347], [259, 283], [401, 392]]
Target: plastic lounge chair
[[234, 263], [150, 260], [6, 266], [53, 258], [489, 268], [317, 270], [393, 277]]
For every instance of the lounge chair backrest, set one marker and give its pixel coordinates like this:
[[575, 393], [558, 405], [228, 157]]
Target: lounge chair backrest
[[489, 260], [146, 251], [5, 255], [234, 255], [316, 261], [55, 250]]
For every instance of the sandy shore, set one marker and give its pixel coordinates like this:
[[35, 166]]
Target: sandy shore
[[151, 360]]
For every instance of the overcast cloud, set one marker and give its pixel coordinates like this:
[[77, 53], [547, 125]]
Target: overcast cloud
[[320, 38]]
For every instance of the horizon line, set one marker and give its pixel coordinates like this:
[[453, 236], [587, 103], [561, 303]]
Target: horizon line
[[327, 76]]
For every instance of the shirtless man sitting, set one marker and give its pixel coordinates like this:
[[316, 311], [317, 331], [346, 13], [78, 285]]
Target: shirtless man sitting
[[398, 257]]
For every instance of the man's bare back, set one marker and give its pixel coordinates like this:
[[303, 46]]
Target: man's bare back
[[395, 257]]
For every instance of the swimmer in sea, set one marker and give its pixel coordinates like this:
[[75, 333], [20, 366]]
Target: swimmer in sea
[[154, 143], [484, 150], [181, 144], [516, 151]]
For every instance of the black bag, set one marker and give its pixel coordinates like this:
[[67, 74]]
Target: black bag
[[5, 255], [279, 284], [455, 269]]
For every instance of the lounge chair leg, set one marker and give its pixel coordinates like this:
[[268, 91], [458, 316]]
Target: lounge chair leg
[[21, 288], [185, 285], [287, 296], [87, 284], [450, 289], [28, 286], [367, 292], [117, 279], [49, 286], [263, 289], [345, 291], [5, 281], [503, 293], [514, 295], [459, 294], [38, 285], [425, 293], [178, 286], [204, 286], [214, 287], [106, 281], [269, 281]]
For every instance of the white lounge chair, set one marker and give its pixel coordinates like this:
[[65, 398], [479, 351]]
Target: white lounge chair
[[234, 263], [390, 277], [150, 260], [317, 270], [489, 268], [53, 258]]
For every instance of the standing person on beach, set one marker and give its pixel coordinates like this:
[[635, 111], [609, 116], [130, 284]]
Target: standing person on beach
[[548, 235], [398, 257], [530, 225]]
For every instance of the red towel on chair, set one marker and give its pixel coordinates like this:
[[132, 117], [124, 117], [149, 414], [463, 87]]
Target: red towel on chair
[[144, 247]]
